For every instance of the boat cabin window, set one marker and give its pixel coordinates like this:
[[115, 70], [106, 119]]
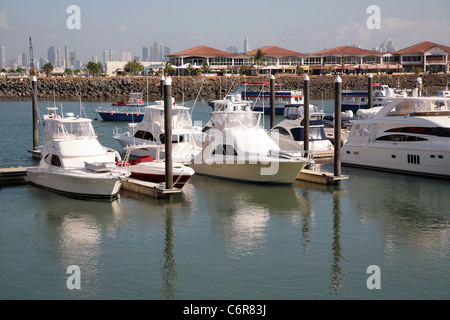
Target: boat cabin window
[[225, 150], [401, 138], [53, 160], [315, 133], [282, 131], [140, 134], [176, 138], [360, 130], [432, 131]]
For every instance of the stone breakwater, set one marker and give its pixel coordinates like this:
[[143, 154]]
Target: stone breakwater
[[118, 88]]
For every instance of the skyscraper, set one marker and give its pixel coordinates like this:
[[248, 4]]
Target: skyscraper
[[52, 55], [156, 53], [145, 54], [2, 57], [67, 57], [246, 45]]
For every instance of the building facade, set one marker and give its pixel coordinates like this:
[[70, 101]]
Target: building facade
[[426, 56]]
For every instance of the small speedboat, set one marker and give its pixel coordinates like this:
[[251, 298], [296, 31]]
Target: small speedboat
[[147, 169]]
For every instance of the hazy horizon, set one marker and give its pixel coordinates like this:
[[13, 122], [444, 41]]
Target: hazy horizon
[[304, 27]]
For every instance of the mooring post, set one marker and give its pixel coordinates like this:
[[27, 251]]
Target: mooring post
[[35, 113], [168, 131], [370, 92], [161, 87], [272, 101], [337, 126], [306, 113]]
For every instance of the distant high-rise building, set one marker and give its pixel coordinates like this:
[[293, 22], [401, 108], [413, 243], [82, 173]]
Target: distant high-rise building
[[156, 52], [25, 62], [246, 45], [232, 49], [386, 46], [145, 54], [125, 56], [166, 53], [52, 55], [67, 57], [2, 57]]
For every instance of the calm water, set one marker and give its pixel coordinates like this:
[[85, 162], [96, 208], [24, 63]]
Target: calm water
[[220, 239]]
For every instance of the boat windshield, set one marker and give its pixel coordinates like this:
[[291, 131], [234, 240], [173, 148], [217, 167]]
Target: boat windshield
[[248, 119], [295, 111], [69, 130]]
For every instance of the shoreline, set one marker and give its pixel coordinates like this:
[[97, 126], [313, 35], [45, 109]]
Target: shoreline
[[119, 88]]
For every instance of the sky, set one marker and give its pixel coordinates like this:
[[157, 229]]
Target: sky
[[302, 26]]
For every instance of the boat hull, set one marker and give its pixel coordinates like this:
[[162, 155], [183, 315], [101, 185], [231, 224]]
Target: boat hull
[[155, 172], [94, 185], [121, 116], [282, 173], [266, 110], [419, 161]]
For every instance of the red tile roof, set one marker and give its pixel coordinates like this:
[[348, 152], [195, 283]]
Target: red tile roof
[[274, 51], [201, 51], [422, 48], [346, 51]]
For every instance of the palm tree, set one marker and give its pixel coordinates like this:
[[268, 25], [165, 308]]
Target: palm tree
[[259, 58], [48, 68], [167, 68], [205, 67], [343, 60]]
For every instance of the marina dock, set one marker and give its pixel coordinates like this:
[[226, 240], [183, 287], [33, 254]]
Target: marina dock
[[13, 175], [154, 190], [321, 177]]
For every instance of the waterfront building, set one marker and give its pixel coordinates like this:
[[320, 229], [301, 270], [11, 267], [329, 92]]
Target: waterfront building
[[276, 59], [427, 56], [348, 59]]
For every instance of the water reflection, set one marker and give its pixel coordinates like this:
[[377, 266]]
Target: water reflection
[[336, 271], [410, 210], [241, 212], [168, 270]]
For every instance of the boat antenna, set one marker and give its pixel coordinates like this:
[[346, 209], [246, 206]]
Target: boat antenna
[[79, 98]]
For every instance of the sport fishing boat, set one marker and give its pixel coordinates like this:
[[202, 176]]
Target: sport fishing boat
[[258, 93], [154, 170], [130, 111], [237, 147], [74, 163], [186, 138], [410, 135], [289, 133]]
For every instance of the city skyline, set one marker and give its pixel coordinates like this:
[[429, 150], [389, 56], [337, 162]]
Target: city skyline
[[302, 27]]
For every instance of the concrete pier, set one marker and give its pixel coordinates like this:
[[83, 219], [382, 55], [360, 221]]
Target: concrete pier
[[154, 190], [320, 177], [13, 175]]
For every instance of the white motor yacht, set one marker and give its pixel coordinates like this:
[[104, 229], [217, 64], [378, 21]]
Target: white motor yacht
[[237, 147], [186, 138], [290, 132], [410, 134], [73, 162]]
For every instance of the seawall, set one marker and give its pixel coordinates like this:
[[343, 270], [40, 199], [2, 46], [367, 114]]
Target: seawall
[[118, 88]]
